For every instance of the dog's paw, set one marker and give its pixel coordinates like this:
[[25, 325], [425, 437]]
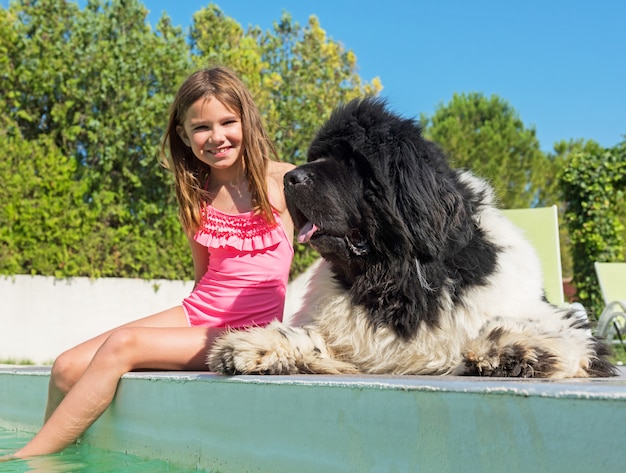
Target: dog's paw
[[524, 348], [232, 360], [245, 353], [275, 349], [516, 360]]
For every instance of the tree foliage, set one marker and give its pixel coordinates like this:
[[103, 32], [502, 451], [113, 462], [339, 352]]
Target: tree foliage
[[487, 136], [86, 103], [43, 215], [562, 150], [310, 75], [91, 87], [297, 75], [593, 182]]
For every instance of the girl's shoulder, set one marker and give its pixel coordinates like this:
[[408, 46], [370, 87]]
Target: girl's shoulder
[[275, 173], [279, 169]]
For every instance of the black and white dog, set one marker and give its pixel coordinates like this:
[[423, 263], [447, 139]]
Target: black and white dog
[[422, 273]]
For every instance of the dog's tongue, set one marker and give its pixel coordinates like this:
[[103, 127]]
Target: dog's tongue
[[306, 232]]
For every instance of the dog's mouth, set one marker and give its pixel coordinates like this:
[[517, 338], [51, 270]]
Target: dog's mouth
[[311, 233], [306, 228], [306, 232]]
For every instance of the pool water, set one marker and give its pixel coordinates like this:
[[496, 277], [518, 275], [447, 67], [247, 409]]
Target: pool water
[[79, 458]]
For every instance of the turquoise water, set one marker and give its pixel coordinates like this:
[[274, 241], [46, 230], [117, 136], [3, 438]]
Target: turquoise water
[[79, 458]]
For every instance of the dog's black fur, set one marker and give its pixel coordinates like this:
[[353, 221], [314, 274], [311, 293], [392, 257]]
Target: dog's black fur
[[429, 277], [429, 221]]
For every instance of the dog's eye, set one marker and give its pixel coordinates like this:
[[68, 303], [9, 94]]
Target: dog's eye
[[356, 237], [357, 244]]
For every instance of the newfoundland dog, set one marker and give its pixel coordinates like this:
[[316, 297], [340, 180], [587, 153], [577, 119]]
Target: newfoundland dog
[[422, 274]]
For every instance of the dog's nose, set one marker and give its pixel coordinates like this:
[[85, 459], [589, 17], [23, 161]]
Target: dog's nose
[[295, 177]]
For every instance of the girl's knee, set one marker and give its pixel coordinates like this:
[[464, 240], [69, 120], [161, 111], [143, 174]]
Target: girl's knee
[[66, 370], [72, 364], [119, 346], [119, 341]]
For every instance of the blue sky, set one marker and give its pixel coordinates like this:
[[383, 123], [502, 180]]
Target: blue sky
[[560, 64]]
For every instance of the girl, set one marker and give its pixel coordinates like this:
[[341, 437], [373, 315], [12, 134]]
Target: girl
[[230, 192]]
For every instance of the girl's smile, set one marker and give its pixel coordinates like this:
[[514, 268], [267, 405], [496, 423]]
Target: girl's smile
[[219, 152], [213, 132]]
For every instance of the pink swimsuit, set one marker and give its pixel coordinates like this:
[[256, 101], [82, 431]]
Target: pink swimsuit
[[246, 280]]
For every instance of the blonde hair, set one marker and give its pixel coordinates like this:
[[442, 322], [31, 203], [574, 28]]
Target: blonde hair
[[190, 174]]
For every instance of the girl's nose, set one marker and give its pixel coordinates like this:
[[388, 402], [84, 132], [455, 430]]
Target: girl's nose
[[217, 135]]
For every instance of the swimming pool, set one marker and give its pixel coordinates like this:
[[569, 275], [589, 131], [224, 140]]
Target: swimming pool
[[80, 458]]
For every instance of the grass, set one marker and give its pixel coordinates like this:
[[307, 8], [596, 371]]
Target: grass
[[16, 361]]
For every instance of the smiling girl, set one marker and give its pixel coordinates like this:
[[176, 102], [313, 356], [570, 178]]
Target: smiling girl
[[229, 186]]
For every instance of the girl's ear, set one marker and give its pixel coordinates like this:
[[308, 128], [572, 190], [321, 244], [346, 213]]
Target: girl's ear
[[183, 135]]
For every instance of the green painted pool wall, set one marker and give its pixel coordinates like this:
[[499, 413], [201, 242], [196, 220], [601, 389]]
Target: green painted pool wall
[[350, 424]]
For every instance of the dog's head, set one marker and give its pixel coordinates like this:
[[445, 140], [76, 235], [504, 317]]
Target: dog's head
[[374, 188], [381, 204]]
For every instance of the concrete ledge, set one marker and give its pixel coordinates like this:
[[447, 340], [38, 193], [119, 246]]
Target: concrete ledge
[[339, 424]]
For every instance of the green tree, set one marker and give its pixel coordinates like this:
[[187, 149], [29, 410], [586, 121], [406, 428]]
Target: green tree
[[562, 150], [487, 136], [593, 182], [309, 75], [217, 39], [296, 73], [87, 92], [96, 83], [43, 217]]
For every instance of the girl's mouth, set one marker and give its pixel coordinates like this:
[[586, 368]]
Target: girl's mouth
[[219, 151]]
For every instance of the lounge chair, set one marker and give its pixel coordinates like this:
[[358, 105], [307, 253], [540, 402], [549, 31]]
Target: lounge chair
[[612, 322], [541, 227]]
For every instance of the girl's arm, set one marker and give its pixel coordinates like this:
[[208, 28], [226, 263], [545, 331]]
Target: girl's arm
[[200, 255], [276, 173]]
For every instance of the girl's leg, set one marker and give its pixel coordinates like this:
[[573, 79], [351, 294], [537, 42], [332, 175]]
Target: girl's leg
[[71, 364], [125, 349]]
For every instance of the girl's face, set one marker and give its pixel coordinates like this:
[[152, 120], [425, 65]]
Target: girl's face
[[213, 132]]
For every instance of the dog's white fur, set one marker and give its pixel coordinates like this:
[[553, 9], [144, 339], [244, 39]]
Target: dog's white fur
[[332, 335]]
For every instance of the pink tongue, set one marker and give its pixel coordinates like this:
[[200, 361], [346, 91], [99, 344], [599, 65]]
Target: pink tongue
[[306, 232]]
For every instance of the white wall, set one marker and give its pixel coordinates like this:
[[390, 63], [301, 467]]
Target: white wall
[[42, 316]]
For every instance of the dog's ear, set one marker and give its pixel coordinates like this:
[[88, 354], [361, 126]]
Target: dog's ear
[[414, 198], [429, 197], [389, 235], [423, 221]]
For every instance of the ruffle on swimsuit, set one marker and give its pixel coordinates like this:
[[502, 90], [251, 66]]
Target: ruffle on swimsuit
[[243, 232], [246, 279]]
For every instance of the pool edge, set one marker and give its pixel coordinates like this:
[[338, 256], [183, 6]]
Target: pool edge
[[348, 423]]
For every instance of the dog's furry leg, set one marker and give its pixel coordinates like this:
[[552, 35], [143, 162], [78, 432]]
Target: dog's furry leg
[[275, 349], [526, 348]]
